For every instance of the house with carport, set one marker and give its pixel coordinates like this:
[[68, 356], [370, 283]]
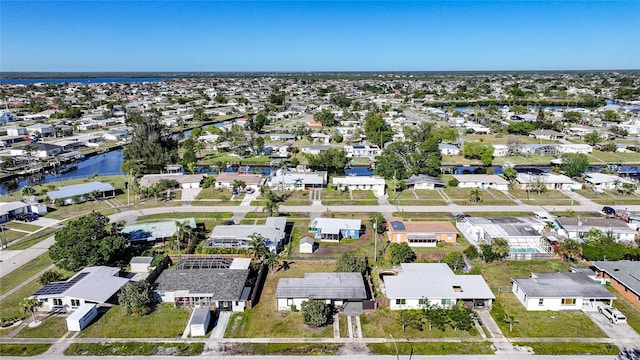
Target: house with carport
[[185, 181], [225, 180], [419, 285], [273, 231], [575, 228], [423, 182], [68, 193], [560, 291], [356, 183], [602, 182], [550, 181]]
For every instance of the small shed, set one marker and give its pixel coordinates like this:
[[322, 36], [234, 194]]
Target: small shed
[[80, 318], [140, 264], [307, 245], [200, 321]]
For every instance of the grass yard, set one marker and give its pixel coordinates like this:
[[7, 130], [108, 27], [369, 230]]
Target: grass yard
[[632, 312], [609, 197], [23, 349], [433, 348], [134, 349], [10, 306], [565, 348], [21, 226], [500, 273], [411, 197], [550, 197], [295, 198], [165, 322], [52, 327], [68, 211], [439, 252], [264, 320], [283, 349], [460, 196], [11, 235], [384, 322], [24, 272], [199, 216], [617, 157], [30, 240]]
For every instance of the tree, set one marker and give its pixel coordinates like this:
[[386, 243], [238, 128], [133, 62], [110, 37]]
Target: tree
[[137, 298], [271, 206], [500, 247], [521, 127], [592, 138], [461, 318], [377, 130], [316, 313], [257, 124], [377, 222], [350, 263], [570, 249], [257, 248], [410, 318], [183, 231], [471, 252], [151, 145], [401, 253], [325, 117], [334, 158], [455, 260], [572, 116], [509, 173], [88, 241], [509, 319], [30, 305], [475, 195], [402, 159], [238, 184], [272, 260], [611, 115], [609, 147], [574, 165], [478, 150], [49, 276], [28, 191]]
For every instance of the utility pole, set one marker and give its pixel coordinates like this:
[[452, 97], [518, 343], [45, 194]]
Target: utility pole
[[375, 241]]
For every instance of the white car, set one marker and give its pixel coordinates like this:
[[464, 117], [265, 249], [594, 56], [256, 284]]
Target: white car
[[614, 315]]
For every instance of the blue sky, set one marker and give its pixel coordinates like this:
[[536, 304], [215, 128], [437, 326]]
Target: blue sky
[[318, 36]]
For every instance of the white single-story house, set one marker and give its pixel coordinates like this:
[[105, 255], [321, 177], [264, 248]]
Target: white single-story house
[[421, 284], [307, 245], [225, 180], [115, 135], [273, 231], [9, 210], [369, 151], [186, 181], [550, 180], [599, 181], [313, 149], [67, 193], [92, 285], [560, 291], [16, 131], [482, 181], [448, 149], [333, 288], [217, 282], [547, 134], [354, 183], [335, 229], [575, 228], [297, 180], [39, 150], [574, 148], [500, 150], [43, 130], [424, 182]]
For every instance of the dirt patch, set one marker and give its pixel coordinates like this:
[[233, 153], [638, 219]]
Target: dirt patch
[[354, 349]]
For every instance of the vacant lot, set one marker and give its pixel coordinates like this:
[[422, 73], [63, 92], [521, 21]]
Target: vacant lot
[[549, 197], [432, 348], [134, 349], [461, 196], [264, 320], [610, 197], [410, 197], [571, 348]]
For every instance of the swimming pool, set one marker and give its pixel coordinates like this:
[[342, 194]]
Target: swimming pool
[[525, 250]]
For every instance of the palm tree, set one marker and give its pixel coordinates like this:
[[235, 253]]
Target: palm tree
[[238, 184], [570, 249], [272, 260], [191, 166], [475, 195], [509, 319], [30, 305], [271, 206], [257, 248], [183, 230]]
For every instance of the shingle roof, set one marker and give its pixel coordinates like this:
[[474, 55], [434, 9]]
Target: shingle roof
[[626, 272], [220, 284], [338, 286], [564, 284]]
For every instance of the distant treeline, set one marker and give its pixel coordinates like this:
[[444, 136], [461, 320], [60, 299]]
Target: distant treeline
[[525, 102]]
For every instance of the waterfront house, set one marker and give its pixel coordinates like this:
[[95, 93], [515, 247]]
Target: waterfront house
[[549, 180], [43, 130], [575, 228], [92, 285], [423, 182], [547, 134], [574, 148], [225, 180], [448, 149], [68, 193], [39, 150], [297, 180], [422, 284], [500, 150], [185, 181], [482, 181], [368, 151], [537, 149], [601, 182]]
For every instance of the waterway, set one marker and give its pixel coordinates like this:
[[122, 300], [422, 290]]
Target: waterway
[[85, 81]]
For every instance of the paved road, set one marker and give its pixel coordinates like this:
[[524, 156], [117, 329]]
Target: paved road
[[24, 256]]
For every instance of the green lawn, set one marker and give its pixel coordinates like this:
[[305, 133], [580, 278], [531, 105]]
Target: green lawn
[[52, 327], [134, 349], [550, 197], [30, 240], [11, 235], [21, 226], [282, 349], [10, 306], [460, 196], [424, 197], [23, 349], [565, 348], [24, 272], [383, 322], [609, 197], [264, 320], [599, 156], [432, 348], [165, 322]]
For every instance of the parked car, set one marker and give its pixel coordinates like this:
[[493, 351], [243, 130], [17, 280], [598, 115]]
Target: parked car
[[28, 217], [614, 315], [609, 211], [459, 216]]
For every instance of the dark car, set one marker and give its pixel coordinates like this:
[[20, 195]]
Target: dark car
[[609, 211], [28, 217], [459, 217]]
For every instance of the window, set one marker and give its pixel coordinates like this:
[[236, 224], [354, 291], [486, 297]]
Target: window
[[289, 302], [401, 301], [568, 301], [446, 302], [57, 302], [540, 302], [75, 303], [423, 301]]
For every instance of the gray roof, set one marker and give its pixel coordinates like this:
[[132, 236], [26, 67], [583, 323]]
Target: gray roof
[[220, 284], [307, 240], [96, 283], [604, 224], [79, 190], [273, 230], [200, 316], [323, 286], [626, 272], [141, 260], [435, 281], [561, 285], [421, 179], [509, 226]]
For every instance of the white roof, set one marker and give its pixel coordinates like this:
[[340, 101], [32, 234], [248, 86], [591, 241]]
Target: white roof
[[80, 312], [545, 178], [359, 180], [96, 283], [481, 178], [334, 225], [240, 263], [598, 178], [435, 281], [10, 206]]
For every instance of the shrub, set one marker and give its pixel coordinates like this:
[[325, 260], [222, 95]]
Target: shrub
[[316, 313], [471, 252], [453, 182]]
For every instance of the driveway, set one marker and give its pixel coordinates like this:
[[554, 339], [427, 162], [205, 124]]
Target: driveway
[[621, 333]]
